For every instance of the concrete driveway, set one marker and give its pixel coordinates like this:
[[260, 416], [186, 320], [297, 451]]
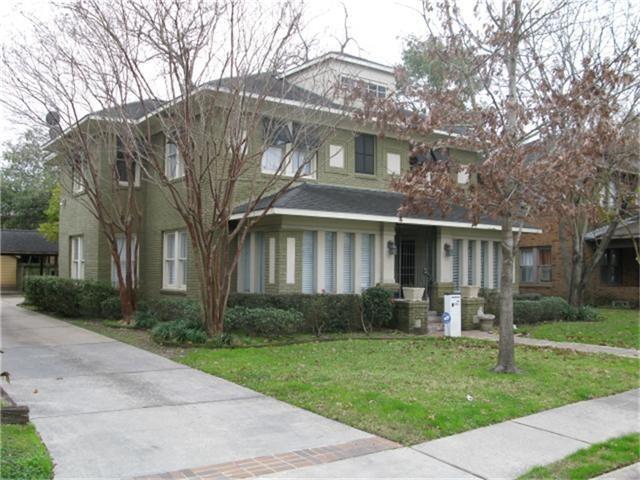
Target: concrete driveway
[[109, 410]]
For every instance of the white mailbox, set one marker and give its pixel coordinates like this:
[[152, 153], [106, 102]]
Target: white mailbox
[[452, 316]]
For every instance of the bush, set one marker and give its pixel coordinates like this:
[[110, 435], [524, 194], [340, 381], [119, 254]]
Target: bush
[[111, 308], [377, 307], [144, 319], [321, 312], [544, 310], [169, 309], [582, 314], [527, 296], [91, 295], [266, 322], [54, 294], [178, 331]]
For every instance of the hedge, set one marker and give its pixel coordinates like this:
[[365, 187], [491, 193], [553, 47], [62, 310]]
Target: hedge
[[321, 312], [266, 322], [67, 297]]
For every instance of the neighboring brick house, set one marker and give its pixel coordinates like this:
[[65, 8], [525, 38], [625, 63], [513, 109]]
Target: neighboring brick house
[[544, 264], [337, 231]]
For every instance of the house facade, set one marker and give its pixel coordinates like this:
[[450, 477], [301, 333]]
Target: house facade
[[337, 230], [544, 263]]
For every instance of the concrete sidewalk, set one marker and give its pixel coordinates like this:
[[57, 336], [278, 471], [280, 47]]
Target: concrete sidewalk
[[578, 347], [504, 450]]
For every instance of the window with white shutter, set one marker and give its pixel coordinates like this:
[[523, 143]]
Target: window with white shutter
[[496, 264], [348, 246], [455, 264], [367, 257], [471, 262], [309, 262], [484, 267], [330, 262]]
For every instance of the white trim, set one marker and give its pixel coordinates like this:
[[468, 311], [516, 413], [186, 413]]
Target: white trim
[[379, 218], [339, 56]]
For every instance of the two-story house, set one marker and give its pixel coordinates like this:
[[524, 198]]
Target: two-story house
[[335, 231]]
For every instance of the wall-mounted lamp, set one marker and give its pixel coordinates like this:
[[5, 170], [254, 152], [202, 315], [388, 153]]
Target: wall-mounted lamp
[[391, 247], [447, 249]]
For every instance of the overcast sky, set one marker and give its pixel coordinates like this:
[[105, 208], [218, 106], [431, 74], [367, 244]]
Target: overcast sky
[[378, 26]]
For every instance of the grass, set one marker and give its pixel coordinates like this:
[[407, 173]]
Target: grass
[[619, 328], [24, 456], [416, 390], [593, 461]]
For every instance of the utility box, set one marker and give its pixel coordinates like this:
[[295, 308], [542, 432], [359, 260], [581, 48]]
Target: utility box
[[452, 316]]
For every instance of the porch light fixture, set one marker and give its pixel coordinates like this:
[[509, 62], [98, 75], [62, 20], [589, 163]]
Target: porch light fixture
[[391, 247], [447, 249]]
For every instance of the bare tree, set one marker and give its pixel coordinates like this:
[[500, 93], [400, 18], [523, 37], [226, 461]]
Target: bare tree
[[517, 177], [229, 118]]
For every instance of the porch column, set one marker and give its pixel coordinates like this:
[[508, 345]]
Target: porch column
[[443, 263], [388, 234]]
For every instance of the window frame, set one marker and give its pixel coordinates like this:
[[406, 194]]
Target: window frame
[[363, 156], [287, 153], [536, 267], [77, 264], [615, 269], [180, 170], [179, 262]]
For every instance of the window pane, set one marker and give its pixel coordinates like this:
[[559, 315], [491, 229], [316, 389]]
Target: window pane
[[471, 263], [183, 245], [455, 264], [170, 267], [309, 262], [170, 246], [364, 153], [496, 264], [330, 262], [484, 267], [347, 263], [366, 261], [301, 160], [271, 159]]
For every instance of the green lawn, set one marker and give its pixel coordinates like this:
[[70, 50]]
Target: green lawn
[[23, 456], [619, 328], [593, 461], [415, 390]]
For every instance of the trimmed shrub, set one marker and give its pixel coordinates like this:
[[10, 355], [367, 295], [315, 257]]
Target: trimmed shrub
[[527, 296], [111, 308], [582, 314], [544, 310], [144, 319], [169, 309], [377, 307], [54, 294], [266, 322], [91, 295], [178, 331], [321, 312]]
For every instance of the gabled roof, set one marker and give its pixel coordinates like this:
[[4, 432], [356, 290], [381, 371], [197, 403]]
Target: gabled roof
[[345, 57], [329, 201], [132, 110], [16, 242]]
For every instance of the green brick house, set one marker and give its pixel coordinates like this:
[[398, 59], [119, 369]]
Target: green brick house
[[336, 231]]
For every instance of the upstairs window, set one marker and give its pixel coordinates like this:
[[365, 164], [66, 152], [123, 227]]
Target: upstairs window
[[291, 149], [79, 174], [122, 171], [365, 153], [375, 89], [173, 164]]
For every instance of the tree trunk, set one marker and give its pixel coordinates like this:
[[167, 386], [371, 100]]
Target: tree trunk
[[506, 350], [577, 269]]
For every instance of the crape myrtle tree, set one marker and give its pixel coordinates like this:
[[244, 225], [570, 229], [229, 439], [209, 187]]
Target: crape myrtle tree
[[515, 179], [230, 130]]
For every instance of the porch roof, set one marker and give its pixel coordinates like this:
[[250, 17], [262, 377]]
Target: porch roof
[[330, 201], [627, 229], [15, 242]]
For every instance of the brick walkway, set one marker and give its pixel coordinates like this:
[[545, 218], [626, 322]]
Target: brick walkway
[[253, 467], [578, 347]]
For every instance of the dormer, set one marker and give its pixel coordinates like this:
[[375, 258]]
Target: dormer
[[325, 74]]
